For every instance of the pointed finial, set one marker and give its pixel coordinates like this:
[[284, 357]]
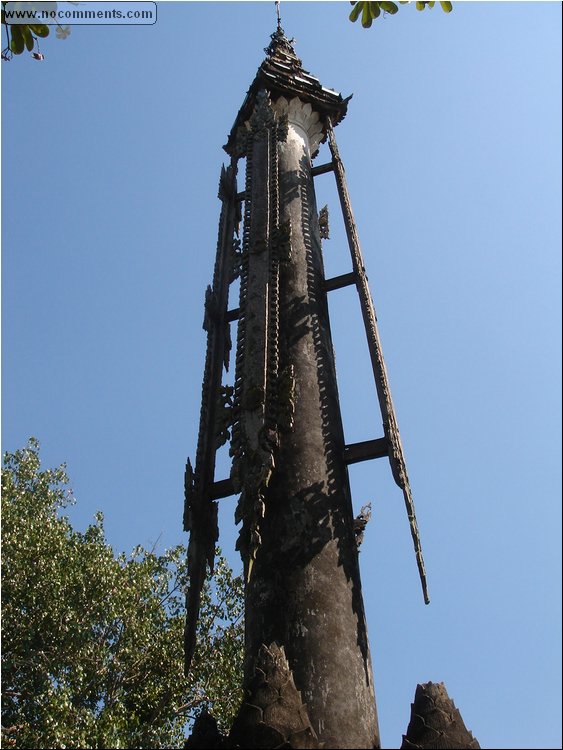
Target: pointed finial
[[278, 13]]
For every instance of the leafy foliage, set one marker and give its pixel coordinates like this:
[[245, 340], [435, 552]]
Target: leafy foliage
[[369, 11], [22, 36], [26, 36], [92, 643]]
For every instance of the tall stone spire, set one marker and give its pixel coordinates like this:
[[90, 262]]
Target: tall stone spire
[[308, 674]]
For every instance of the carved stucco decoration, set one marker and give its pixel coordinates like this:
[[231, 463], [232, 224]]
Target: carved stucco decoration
[[436, 721], [200, 509], [302, 116], [324, 228], [257, 409], [273, 715]]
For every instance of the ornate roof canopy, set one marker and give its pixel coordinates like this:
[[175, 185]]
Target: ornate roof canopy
[[282, 74]]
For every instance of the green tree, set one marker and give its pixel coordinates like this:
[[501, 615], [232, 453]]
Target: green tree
[[92, 646], [21, 37], [369, 11]]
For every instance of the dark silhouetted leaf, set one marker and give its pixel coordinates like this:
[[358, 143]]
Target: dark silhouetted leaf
[[40, 30], [356, 10], [18, 43], [28, 37]]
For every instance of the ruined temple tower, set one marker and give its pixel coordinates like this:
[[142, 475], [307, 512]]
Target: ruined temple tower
[[304, 608]]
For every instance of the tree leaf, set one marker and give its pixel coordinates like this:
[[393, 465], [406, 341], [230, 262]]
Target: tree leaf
[[446, 7], [40, 30], [28, 37], [366, 15], [356, 10], [375, 10], [389, 7], [17, 42], [91, 642]]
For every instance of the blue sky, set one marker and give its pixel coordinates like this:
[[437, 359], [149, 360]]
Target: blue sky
[[111, 151]]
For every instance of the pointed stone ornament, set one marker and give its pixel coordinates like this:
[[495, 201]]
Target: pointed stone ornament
[[435, 722], [273, 714]]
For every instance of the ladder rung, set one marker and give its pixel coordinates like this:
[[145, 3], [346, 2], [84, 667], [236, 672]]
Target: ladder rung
[[365, 451], [233, 315], [322, 169], [222, 488], [337, 282]]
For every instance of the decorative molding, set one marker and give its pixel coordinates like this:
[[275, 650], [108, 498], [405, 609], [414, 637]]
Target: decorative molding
[[273, 714], [256, 403], [263, 118], [282, 72], [360, 523], [324, 229], [200, 510], [436, 721], [224, 415], [302, 115]]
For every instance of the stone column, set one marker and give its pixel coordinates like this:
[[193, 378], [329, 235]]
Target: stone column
[[304, 592]]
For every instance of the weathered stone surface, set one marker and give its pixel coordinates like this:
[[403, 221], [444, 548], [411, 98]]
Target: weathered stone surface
[[273, 715], [436, 722], [305, 590]]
